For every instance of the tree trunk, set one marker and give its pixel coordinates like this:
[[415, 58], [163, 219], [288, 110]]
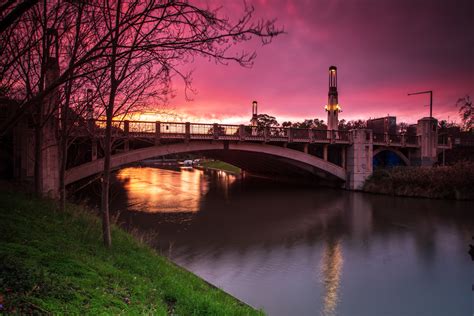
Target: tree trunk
[[63, 158], [108, 132], [38, 150], [106, 178]]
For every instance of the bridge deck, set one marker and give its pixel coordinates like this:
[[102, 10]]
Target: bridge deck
[[155, 131]]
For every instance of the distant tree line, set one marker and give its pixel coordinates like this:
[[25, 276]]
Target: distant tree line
[[466, 112]]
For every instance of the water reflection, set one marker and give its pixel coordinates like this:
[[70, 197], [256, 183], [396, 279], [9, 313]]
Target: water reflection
[[308, 251], [156, 190], [331, 269]]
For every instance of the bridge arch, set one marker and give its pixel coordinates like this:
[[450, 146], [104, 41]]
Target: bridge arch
[[395, 151], [241, 154]]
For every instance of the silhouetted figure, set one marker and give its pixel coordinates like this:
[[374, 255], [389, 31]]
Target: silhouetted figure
[[471, 250]]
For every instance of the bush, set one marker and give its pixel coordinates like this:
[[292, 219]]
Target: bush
[[447, 182]]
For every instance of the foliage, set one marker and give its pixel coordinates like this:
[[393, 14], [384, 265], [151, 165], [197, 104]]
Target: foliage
[[352, 124], [265, 120], [221, 165], [448, 182], [466, 111], [52, 262], [402, 127], [444, 124], [308, 123]]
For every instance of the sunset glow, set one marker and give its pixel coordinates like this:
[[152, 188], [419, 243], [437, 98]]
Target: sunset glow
[[383, 50]]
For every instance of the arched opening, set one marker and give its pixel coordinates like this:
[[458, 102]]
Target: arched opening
[[249, 156], [387, 158]]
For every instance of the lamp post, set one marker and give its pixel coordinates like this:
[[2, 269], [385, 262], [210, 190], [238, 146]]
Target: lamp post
[[431, 99]]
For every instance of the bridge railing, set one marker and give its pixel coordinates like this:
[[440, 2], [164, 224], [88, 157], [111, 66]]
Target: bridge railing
[[411, 139], [253, 132], [394, 138], [181, 130], [140, 129], [300, 134], [197, 130], [378, 138], [343, 136], [320, 135], [173, 130], [278, 133], [227, 131]]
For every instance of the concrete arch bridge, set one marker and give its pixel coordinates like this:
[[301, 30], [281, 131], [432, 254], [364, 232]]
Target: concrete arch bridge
[[344, 158]]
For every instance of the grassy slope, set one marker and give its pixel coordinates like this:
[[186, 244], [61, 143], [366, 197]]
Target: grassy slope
[[221, 166], [54, 262]]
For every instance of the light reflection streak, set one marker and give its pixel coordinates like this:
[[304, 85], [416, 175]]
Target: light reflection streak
[[156, 190], [331, 269]]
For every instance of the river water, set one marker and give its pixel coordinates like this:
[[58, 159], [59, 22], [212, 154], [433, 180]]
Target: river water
[[299, 250]]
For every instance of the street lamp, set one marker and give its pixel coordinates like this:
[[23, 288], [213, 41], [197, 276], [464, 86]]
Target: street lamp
[[431, 99]]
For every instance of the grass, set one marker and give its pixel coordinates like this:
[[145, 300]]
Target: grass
[[449, 182], [53, 262], [220, 165]]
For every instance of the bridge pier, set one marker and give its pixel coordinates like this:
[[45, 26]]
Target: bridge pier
[[343, 157], [157, 133], [427, 133], [359, 159]]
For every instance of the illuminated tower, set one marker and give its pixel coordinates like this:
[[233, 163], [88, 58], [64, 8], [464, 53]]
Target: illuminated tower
[[332, 107], [254, 119]]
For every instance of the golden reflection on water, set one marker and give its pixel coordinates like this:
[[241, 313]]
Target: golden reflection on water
[[157, 190], [331, 268]]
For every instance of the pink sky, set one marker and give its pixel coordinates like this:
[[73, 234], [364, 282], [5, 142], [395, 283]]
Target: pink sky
[[383, 50]]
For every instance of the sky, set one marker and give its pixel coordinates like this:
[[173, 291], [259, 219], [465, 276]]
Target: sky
[[383, 49]]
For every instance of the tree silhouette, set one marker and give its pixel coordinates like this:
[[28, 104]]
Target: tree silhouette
[[466, 111], [129, 51]]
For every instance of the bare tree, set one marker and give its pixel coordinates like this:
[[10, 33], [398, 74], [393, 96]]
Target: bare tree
[[466, 111], [12, 10], [130, 51], [150, 48]]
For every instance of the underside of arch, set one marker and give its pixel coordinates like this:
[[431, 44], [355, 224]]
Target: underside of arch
[[252, 157], [397, 152]]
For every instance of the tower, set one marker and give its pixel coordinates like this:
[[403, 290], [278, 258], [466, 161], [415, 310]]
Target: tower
[[254, 119], [333, 107]]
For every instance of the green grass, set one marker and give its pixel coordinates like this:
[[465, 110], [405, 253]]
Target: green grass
[[54, 262], [449, 182], [220, 165]]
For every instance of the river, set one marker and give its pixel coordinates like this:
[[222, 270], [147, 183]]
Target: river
[[299, 250]]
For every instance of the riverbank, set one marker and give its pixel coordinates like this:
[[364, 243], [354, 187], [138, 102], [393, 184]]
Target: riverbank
[[448, 182], [53, 262], [220, 165]]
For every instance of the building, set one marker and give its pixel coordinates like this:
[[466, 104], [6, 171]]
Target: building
[[383, 125]]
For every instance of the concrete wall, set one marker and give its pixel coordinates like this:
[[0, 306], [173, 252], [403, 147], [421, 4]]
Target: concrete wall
[[359, 159], [427, 132]]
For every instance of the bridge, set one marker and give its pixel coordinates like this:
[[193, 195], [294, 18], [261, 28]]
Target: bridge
[[340, 157]]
